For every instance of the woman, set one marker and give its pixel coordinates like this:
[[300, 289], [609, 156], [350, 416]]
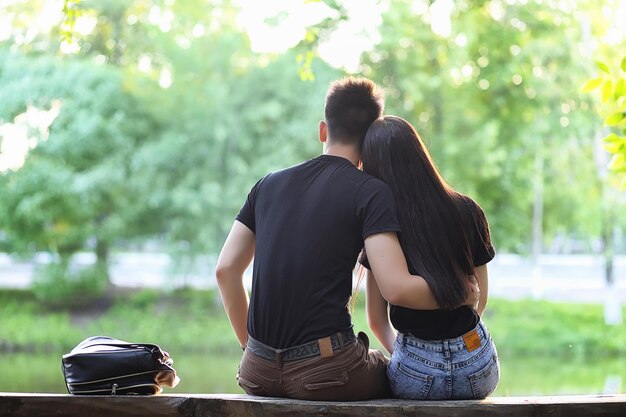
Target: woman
[[436, 354]]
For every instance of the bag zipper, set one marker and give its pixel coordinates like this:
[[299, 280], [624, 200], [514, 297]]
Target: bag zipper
[[117, 377], [115, 388]]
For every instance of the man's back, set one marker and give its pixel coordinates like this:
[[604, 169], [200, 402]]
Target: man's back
[[310, 222], [304, 227]]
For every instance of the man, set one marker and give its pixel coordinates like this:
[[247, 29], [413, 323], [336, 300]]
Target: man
[[305, 226]]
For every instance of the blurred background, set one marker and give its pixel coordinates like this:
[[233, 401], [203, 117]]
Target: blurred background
[[132, 130]]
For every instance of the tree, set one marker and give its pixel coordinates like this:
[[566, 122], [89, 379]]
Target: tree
[[76, 186], [489, 97], [210, 115], [612, 108], [611, 82]]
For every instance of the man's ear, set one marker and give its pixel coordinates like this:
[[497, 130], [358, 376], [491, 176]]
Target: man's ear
[[323, 131]]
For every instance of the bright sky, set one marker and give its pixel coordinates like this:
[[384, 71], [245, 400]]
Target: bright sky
[[277, 25]]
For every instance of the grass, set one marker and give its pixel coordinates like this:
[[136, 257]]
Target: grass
[[193, 321], [544, 348], [577, 331]]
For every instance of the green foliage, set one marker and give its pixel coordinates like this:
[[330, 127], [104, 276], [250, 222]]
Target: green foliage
[[489, 100], [183, 321], [56, 286], [27, 325], [571, 330], [163, 129], [528, 328], [194, 321], [70, 13], [611, 83], [77, 185], [571, 339], [187, 322]]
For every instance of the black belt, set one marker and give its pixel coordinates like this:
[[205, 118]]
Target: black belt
[[307, 350]]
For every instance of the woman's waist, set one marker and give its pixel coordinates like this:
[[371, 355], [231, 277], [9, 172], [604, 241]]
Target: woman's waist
[[470, 340], [434, 324]]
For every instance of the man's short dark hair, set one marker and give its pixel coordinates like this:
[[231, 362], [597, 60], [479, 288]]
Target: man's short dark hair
[[352, 104]]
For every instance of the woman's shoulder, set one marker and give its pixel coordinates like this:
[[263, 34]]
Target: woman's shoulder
[[471, 209], [480, 236], [466, 202]]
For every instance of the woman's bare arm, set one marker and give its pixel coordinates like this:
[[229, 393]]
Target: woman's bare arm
[[482, 276], [378, 315]]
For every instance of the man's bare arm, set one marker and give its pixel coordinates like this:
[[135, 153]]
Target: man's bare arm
[[396, 284], [234, 259], [389, 266]]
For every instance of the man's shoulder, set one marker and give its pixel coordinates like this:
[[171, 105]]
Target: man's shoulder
[[289, 170], [371, 184], [344, 175]]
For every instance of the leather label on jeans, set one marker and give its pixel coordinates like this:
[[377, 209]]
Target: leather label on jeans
[[326, 347], [472, 340]]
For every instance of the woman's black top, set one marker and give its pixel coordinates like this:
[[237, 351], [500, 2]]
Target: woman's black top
[[446, 324]]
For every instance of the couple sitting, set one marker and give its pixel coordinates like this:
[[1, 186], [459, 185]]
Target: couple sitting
[[305, 227]]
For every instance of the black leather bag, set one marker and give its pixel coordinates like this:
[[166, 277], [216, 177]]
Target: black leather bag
[[102, 365]]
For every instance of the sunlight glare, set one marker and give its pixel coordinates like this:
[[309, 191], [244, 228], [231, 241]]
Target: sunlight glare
[[85, 24], [441, 11], [358, 34], [166, 79], [616, 33], [277, 25], [23, 135]]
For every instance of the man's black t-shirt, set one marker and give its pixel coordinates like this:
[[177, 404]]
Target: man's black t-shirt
[[446, 324], [310, 222]]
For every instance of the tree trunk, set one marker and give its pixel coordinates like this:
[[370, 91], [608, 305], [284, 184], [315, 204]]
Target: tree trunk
[[102, 258], [612, 306], [537, 233]]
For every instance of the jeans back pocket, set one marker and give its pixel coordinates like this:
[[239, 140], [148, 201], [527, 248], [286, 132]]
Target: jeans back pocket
[[485, 381], [408, 383]]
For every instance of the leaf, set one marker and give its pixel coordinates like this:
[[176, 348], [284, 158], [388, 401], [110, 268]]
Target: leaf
[[619, 89], [614, 119], [591, 85], [603, 67], [611, 147], [613, 138], [623, 64], [614, 143], [617, 162], [607, 91]]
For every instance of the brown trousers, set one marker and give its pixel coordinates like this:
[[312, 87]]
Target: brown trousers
[[352, 373]]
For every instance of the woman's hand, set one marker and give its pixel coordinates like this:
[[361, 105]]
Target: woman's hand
[[473, 293]]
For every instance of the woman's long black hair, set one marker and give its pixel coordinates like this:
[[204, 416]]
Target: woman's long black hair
[[433, 236]]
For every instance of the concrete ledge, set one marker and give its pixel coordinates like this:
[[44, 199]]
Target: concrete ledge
[[227, 405]]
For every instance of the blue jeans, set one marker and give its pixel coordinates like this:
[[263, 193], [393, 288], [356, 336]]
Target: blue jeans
[[444, 369]]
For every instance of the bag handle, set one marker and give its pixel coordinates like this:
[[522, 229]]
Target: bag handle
[[103, 341]]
